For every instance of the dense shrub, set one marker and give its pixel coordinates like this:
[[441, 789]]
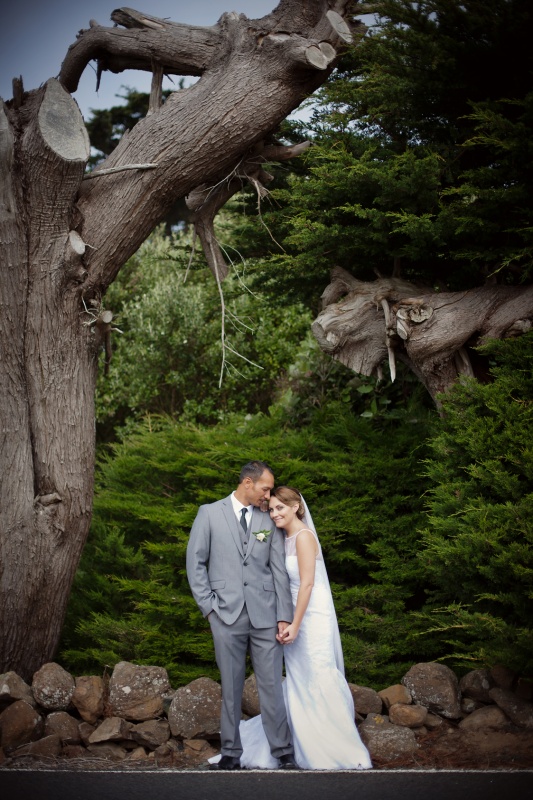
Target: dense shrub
[[361, 479], [477, 547], [423, 566]]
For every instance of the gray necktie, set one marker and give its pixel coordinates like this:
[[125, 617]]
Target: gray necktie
[[244, 526]]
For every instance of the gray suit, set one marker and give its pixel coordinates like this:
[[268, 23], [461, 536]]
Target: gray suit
[[248, 593]]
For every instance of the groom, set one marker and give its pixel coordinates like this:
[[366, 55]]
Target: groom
[[236, 571]]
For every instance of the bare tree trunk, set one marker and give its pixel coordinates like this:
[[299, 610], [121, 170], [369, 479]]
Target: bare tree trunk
[[364, 324], [63, 240], [48, 371]]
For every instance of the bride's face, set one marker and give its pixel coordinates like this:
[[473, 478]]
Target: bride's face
[[281, 514]]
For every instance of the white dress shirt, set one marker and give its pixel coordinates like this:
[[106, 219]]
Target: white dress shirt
[[237, 507]]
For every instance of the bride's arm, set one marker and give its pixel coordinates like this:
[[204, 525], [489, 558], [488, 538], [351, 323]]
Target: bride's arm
[[306, 554]]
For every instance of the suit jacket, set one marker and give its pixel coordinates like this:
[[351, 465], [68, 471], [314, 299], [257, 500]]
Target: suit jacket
[[223, 577]]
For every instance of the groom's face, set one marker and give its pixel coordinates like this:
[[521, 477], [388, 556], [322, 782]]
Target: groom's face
[[259, 492]]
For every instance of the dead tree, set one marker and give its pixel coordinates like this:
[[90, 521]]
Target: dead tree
[[64, 236]]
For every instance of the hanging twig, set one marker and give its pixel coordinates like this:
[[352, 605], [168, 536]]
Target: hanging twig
[[193, 248], [224, 250], [240, 355]]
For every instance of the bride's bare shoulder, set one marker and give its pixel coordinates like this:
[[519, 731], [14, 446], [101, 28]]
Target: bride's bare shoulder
[[308, 539]]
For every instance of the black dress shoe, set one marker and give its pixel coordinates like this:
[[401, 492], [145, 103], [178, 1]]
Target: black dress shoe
[[287, 762], [227, 762]]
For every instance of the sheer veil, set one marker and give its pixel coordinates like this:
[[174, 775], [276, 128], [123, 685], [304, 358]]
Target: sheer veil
[[339, 659]]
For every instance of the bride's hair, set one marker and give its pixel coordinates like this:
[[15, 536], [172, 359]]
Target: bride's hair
[[289, 496]]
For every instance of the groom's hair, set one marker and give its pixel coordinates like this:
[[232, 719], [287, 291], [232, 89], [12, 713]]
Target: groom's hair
[[254, 470]]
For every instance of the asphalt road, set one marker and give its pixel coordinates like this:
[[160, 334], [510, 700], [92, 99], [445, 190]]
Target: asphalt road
[[265, 785]]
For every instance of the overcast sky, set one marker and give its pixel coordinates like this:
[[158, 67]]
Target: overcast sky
[[35, 36]]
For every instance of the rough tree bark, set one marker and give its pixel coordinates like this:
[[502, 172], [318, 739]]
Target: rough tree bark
[[63, 240], [364, 324]]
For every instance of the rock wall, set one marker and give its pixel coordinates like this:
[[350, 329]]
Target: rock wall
[[136, 716]]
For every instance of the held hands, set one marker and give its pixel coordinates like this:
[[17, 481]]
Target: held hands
[[286, 633]]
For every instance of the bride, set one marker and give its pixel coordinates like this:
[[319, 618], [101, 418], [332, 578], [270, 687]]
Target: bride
[[320, 707]]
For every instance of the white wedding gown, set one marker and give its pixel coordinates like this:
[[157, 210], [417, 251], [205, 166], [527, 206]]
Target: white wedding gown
[[319, 703]]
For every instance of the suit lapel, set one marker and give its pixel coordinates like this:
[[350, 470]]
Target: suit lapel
[[257, 523], [231, 519]]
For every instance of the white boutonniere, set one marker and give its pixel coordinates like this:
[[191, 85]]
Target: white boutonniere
[[262, 536]]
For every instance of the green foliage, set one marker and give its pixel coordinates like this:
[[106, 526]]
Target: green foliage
[[168, 358], [360, 479], [421, 156], [477, 550], [491, 207]]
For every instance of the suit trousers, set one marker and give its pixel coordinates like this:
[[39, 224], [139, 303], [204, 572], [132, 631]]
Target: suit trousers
[[231, 646]]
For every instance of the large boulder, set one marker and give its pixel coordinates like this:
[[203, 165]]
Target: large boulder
[[20, 723], [476, 684], [386, 742], [12, 688], [136, 692], [409, 716], [366, 700], [395, 694], [88, 697], [61, 724], [53, 687], [488, 717], [436, 687], [195, 710], [152, 733], [519, 711]]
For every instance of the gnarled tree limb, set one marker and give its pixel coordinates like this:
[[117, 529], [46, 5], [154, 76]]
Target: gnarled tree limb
[[177, 48], [362, 324], [253, 74]]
